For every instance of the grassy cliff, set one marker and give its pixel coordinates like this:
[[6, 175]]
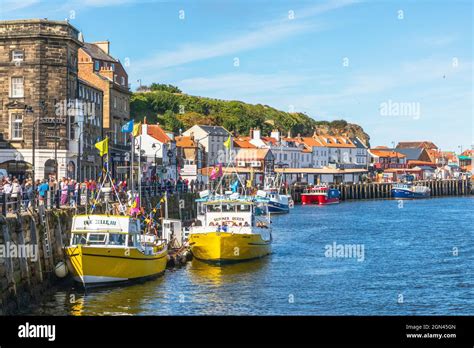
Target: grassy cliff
[[175, 111]]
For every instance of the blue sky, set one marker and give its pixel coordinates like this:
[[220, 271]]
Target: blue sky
[[330, 59]]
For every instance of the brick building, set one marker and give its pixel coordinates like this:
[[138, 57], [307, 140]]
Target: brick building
[[38, 74], [101, 70]]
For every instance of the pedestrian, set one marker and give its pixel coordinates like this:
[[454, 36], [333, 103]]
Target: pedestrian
[[64, 191], [42, 189], [16, 191]]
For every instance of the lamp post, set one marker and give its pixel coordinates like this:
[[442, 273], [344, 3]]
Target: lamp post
[[79, 152], [29, 110], [158, 146]]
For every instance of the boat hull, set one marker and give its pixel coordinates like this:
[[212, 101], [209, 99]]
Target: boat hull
[[278, 208], [406, 194], [94, 266], [318, 199], [228, 247]]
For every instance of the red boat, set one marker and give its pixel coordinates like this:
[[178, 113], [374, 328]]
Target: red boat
[[320, 195]]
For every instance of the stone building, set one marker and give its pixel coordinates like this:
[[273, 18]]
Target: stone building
[[88, 130], [38, 74], [101, 70]]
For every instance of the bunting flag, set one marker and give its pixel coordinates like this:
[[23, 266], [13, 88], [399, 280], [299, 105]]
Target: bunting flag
[[103, 146], [227, 143], [249, 182], [137, 129], [213, 174], [234, 186], [128, 127]]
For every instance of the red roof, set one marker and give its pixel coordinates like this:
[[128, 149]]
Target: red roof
[[243, 143], [158, 133], [183, 141]]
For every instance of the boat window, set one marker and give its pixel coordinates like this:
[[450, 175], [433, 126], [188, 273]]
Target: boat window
[[79, 239], [97, 238], [117, 239], [228, 208], [243, 208], [132, 240], [214, 208]]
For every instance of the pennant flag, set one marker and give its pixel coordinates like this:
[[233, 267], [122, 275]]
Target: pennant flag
[[128, 127], [234, 186], [220, 172], [103, 146], [249, 182], [227, 143], [137, 129]]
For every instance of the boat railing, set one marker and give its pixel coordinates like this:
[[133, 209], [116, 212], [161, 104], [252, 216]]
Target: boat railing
[[231, 229]]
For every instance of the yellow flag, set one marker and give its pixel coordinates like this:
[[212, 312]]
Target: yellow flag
[[227, 142], [103, 146], [137, 129]]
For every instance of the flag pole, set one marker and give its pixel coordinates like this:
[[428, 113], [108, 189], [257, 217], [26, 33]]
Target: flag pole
[[140, 168], [131, 165]]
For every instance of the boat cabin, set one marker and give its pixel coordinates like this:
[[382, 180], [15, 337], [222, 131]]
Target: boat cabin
[[103, 230]]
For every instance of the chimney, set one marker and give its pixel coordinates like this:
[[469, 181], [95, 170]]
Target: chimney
[[144, 128], [256, 134], [191, 136], [289, 133], [251, 133], [103, 45], [275, 134]]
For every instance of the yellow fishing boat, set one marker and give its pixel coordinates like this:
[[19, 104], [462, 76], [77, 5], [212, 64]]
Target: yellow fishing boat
[[231, 228], [106, 249]]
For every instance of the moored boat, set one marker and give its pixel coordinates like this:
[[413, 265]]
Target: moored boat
[[108, 249], [278, 203], [320, 194], [231, 228], [408, 191]]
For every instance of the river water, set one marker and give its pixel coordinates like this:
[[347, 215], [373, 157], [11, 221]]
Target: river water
[[410, 258]]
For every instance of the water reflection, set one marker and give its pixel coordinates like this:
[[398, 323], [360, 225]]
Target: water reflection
[[202, 273], [123, 300]]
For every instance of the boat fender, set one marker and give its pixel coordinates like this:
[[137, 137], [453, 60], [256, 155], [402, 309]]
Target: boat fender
[[61, 270]]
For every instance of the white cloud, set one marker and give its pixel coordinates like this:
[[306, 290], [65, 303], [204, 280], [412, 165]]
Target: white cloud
[[231, 45]]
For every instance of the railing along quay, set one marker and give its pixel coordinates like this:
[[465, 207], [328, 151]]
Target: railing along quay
[[376, 190], [83, 198]]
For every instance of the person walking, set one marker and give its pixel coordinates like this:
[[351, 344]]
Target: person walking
[[64, 191]]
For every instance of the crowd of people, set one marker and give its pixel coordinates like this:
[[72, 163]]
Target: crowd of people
[[68, 191]]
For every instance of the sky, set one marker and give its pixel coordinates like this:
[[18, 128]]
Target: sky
[[403, 70]]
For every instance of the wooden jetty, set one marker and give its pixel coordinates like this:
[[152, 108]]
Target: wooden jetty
[[376, 190]]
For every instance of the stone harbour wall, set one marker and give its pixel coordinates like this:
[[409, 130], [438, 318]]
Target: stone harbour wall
[[31, 245]]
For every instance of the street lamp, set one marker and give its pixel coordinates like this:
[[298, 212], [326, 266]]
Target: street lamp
[[79, 154], [29, 110], [158, 146]]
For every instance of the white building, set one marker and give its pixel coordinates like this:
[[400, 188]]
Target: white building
[[158, 151], [212, 138], [344, 152]]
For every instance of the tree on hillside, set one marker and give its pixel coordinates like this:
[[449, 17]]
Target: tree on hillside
[[171, 123], [165, 88]]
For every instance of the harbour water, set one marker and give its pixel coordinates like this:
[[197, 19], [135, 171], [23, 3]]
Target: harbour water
[[410, 258]]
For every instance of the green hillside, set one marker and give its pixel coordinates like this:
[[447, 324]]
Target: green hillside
[[174, 111]]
